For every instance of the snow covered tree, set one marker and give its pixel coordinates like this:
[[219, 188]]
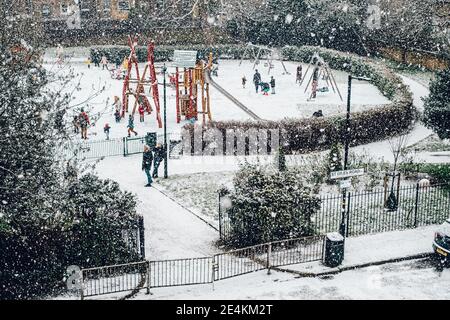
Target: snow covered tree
[[268, 206], [50, 216], [437, 105], [334, 160]]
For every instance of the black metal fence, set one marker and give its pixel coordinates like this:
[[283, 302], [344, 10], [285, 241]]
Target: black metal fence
[[179, 272], [134, 238], [114, 147], [169, 273], [366, 211], [113, 279]]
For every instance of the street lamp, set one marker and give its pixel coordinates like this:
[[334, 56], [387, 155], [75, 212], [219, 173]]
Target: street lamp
[[342, 226], [165, 124]]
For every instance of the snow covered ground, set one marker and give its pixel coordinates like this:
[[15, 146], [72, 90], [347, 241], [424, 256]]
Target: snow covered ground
[[97, 90], [404, 280], [290, 99]]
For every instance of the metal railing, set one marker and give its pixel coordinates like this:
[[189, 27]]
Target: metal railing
[[169, 273], [114, 147], [241, 261], [113, 279], [366, 211], [203, 270]]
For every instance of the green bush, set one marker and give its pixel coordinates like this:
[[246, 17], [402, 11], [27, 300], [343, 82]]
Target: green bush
[[437, 105], [440, 173], [36, 253], [258, 195]]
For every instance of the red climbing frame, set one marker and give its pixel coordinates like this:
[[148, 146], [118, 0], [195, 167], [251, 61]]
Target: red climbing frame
[[141, 81], [154, 80]]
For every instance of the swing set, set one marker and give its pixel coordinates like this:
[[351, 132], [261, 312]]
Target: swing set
[[320, 70], [141, 80], [257, 52]]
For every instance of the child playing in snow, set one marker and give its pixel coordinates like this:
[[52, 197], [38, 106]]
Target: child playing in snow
[[272, 84], [141, 113], [88, 62], [244, 80], [104, 62], [117, 116], [106, 130], [265, 87], [131, 126]]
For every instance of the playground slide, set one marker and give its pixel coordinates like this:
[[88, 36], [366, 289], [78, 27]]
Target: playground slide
[[230, 97]]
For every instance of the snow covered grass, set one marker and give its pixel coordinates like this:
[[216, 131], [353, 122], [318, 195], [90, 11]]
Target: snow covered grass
[[198, 192], [431, 144]]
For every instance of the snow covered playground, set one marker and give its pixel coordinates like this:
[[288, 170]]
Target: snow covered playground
[[97, 89]]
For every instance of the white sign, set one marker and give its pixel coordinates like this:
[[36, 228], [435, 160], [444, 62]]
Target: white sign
[[346, 173], [184, 58], [345, 184]]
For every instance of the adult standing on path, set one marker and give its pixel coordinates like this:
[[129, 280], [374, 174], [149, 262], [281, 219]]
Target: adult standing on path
[[159, 157], [147, 160], [257, 80]]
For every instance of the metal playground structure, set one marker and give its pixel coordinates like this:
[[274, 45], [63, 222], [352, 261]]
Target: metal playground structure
[[320, 71], [192, 86], [140, 81], [258, 52]]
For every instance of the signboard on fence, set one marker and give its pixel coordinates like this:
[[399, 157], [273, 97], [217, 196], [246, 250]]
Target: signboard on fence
[[184, 58], [346, 173]]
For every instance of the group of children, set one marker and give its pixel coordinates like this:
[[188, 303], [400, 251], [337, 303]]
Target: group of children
[[265, 86], [81, 121]]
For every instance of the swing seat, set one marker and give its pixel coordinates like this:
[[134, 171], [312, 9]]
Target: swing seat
[[324, 89]]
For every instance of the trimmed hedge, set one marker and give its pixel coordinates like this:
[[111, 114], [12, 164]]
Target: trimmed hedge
[[116, 54]]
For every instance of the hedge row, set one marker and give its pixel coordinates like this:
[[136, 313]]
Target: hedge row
[[116, 54]]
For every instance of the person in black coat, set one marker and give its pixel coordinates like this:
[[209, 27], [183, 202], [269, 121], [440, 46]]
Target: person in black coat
[[147, 160], [257, 80], [159, 157]]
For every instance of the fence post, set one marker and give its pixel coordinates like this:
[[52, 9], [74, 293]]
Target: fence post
[[348, 215], [416, 206], [141, 236], [148, 277], [124, 141], [220, 216], [82, 286], [269, 253]]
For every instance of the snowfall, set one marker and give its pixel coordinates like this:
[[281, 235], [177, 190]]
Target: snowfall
[[173, 231]]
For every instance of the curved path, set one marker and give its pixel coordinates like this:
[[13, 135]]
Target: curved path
[[381, 149], [230, 97]]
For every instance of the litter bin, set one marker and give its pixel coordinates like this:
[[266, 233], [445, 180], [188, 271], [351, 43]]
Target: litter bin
[[334, 249]]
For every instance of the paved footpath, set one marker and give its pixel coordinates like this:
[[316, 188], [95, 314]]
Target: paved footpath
[[172, 232], [376, 248]]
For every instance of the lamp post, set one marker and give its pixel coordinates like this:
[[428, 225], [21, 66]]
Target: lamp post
[[342, 226], [165, 124]]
